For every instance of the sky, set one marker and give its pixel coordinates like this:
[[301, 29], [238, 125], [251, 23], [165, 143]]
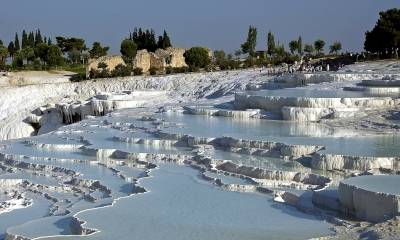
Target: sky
[[217, 24]]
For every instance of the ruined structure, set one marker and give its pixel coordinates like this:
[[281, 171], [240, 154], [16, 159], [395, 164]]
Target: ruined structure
[[111, 61], [161, 59], [142, 60]]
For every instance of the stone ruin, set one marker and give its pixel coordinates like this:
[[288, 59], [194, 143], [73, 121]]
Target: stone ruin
[[161, 59], [111, 61]]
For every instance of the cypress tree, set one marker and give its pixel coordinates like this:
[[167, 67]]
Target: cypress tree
[[300, 46], [31, 39], [11, 49], [49, 41], [160, 42], [270, 44], [38, 38], [166, 40], [152, 41], [135, 35], [16, 43], [25, 42], [250, 45]]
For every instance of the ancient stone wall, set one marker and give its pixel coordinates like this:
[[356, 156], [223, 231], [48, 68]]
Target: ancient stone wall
[[111, 61], [157, 61], [142, 60], [173, 57], [162, 58]]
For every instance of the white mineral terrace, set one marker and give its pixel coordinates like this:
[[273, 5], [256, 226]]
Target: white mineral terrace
[[224, 155]]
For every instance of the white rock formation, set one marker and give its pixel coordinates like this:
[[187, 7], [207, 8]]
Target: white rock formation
[[367, 204], [360, 163]]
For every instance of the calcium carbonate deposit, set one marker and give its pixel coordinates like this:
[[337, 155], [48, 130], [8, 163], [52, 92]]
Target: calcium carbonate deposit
[[225, 155]]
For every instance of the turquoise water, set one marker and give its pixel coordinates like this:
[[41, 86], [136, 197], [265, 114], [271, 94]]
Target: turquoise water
[[180, 206], [39, 209], [307, 92], [377, 183], [286, 132]]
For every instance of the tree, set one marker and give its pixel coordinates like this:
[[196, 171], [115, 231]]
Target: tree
[[250, 45], [16, 43], [3, 55], [270, 44], [197, 57], [280, 51], [54, 56], [144, 39], [238, 53], [41, 51], [38, 37], [293, 46], [384, 38], [28, 53], [121, 70], [102, 71], [300, 46], [219, 56], [31, 40], [11, 49], [128, 50], [309, 49], [319, 46], [25, 41], [221, 59], [18, 61], [163, 41], [68, 44], [74, 56], [335, 47], [85, 57], [98, 51]]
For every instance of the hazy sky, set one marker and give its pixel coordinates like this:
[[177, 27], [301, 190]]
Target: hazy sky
[[218, 24]]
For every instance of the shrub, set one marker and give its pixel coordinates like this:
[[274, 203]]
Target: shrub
[[197, 57], [169, 70], [250, 62], [78, 77], [121, 71], [180, 70], [36, 64], [99, 73], [193, 68], [137, 71], [153, 71]]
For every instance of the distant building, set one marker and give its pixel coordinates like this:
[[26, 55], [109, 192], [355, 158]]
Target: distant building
[[161, 59]]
